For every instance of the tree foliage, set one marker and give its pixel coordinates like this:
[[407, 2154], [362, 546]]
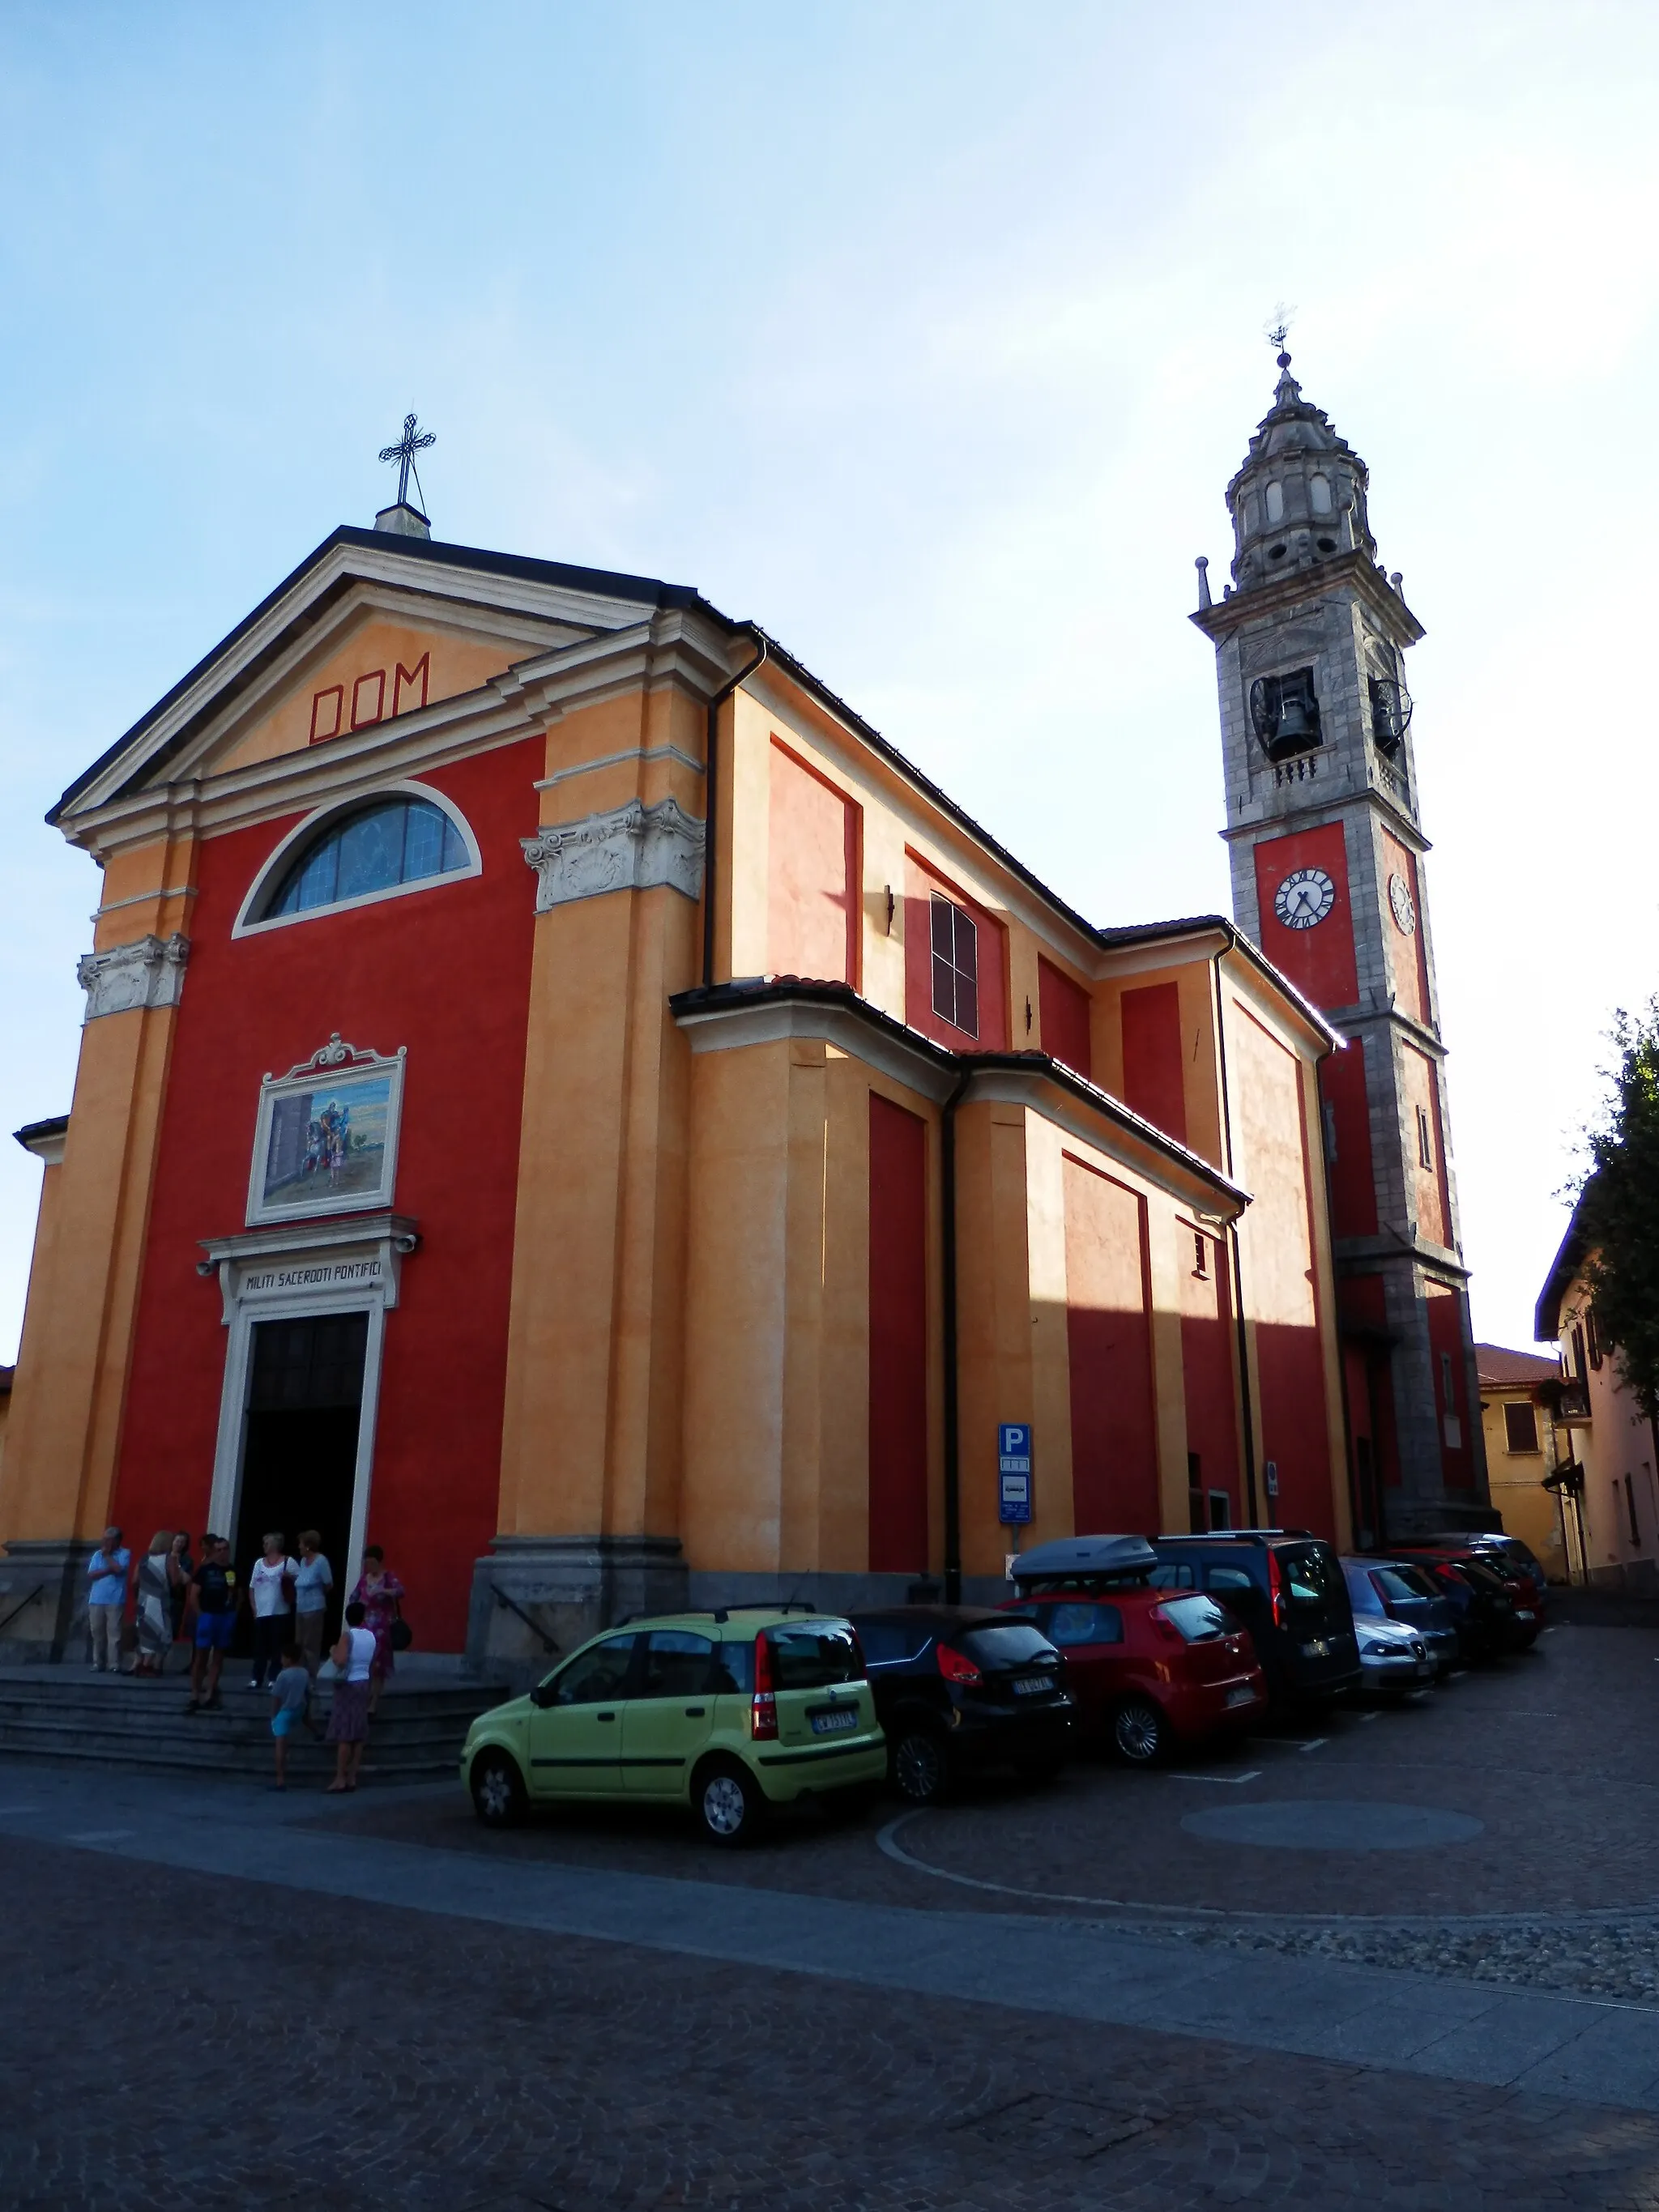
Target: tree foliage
[[1618, 1208]]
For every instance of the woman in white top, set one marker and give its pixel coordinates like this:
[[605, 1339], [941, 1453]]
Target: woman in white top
[[269, 1586], [348, 1722], [313, 1583]]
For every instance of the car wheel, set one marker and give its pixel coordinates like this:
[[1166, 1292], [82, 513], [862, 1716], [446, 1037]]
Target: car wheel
[[1141, 1732], [730, 1804], [918, 1767], [498, 1793]]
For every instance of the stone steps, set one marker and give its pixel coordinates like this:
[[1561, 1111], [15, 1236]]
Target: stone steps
[[142, 1725]]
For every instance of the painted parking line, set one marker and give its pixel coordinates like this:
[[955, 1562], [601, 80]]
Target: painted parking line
[[1369, 1716], [1254, 1775], [101, 1836], [1314, 1743]]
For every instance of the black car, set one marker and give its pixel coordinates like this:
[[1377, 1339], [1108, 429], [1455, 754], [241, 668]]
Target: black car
[[1287, 1586], [958, 1687], [1481, 1597]]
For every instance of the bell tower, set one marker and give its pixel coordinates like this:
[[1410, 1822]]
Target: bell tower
[[1327, 859]]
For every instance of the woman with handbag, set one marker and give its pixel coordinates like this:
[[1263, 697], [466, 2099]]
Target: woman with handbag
[[381, 1594]]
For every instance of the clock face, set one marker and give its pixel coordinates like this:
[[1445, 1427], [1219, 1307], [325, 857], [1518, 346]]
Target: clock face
[[1305, 898], [1399, 898]]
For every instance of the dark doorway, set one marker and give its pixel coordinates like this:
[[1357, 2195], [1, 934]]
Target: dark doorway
[[300, 1449]]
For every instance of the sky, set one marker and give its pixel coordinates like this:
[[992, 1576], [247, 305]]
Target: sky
[[927, 336]]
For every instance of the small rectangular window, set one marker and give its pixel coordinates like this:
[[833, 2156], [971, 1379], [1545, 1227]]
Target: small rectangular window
[[1221, 1510], [1424, 1145], [1630, 1507], [1592, 1337], [1200, 1255], [1329, 1111], [1520, 1427], [955, 944]]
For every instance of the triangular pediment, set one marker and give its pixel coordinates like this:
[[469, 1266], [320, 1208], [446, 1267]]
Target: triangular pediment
[[372, 630]]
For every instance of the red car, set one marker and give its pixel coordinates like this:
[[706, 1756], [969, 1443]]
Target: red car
[[1147, 1667]]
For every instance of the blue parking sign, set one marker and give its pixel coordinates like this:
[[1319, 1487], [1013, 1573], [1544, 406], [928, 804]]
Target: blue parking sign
[[1014, 1473]]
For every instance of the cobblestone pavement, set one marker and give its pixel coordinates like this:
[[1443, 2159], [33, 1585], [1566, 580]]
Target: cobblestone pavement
[[173, 2038], [172, 2034]]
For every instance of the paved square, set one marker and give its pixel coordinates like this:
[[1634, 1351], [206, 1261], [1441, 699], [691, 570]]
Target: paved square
[[222, 1998]]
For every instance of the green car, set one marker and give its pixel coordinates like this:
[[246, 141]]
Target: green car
[[729, 1712]]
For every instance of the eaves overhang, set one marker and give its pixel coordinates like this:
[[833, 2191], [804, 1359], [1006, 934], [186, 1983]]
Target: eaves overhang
[[44, 1139], [1231, 939], [763, 1009], [1564, 1269]]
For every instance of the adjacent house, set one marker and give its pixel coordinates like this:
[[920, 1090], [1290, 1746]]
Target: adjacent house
[[1610, 1451]]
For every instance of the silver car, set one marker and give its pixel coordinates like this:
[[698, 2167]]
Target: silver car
[[1392, 1658]]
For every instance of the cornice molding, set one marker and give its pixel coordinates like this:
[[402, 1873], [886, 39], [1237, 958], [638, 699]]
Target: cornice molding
[[131, 978], [1226, 617]]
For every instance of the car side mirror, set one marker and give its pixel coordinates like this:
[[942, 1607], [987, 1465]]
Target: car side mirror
[[543, 1694]]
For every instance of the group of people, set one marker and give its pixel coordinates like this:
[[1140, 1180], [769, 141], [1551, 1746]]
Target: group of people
[[177, 1599]]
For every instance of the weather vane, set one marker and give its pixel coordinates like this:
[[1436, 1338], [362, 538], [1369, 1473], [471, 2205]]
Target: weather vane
[[1277, 329], [403, 453]]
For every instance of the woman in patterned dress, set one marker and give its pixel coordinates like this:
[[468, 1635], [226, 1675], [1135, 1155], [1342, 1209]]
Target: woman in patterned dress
[[379, 1593]]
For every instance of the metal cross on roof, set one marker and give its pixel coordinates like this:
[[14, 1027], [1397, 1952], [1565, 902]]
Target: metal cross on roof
[[403, 453]]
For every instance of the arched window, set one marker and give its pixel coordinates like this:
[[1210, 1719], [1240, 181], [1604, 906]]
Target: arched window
[[1319, 495], [388, 842], [1275, 503]]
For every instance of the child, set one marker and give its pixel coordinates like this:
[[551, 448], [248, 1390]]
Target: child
[[289, 1694]]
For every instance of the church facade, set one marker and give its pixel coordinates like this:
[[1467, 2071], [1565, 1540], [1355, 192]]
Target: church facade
[[1328, 878], [563, 1098]]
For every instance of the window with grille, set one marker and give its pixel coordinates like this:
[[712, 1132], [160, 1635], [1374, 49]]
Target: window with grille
[[1592, 1337], [1424, 1139], [1520, 1427], [955, 965]]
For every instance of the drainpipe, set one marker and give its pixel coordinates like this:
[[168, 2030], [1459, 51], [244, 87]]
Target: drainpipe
[[711, 801], [947, 1177], [1246, 1407]]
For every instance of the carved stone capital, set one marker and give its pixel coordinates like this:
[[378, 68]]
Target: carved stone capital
[[633, 848], [147, 973]]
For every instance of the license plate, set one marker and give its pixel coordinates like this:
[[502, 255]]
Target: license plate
[[1030, 1685], [835, 1719], [1318, 1649], [1243, 1695], [1523, 1613]]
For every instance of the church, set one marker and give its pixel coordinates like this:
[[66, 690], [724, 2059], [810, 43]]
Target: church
[[562, 1097]]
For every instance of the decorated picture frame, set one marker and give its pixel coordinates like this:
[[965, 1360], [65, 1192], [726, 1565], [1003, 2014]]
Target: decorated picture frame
[[325, 1136]]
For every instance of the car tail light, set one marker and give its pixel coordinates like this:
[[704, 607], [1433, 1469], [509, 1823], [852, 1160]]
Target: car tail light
[[860, 1673], [763, 1706], [955, 1667], [1276, 1590]]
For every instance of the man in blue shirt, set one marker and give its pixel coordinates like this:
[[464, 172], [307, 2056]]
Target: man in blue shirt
[[106, 1601]]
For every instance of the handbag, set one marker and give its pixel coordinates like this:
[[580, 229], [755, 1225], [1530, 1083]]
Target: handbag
[[400, 1635]]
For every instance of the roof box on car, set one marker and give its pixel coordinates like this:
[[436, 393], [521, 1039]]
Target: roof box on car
[[1086, 1555]]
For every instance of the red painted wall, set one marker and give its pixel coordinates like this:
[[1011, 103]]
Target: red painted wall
[[920, 882], [1063, 1009], [898, 1339], [1319, 961], [1362, 1306], [1353, 1179], [446, 972], [1108, 1340], [1208, 1371], [812, 874], [1153, 1065], [1410, 967], [1446, 1337]]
